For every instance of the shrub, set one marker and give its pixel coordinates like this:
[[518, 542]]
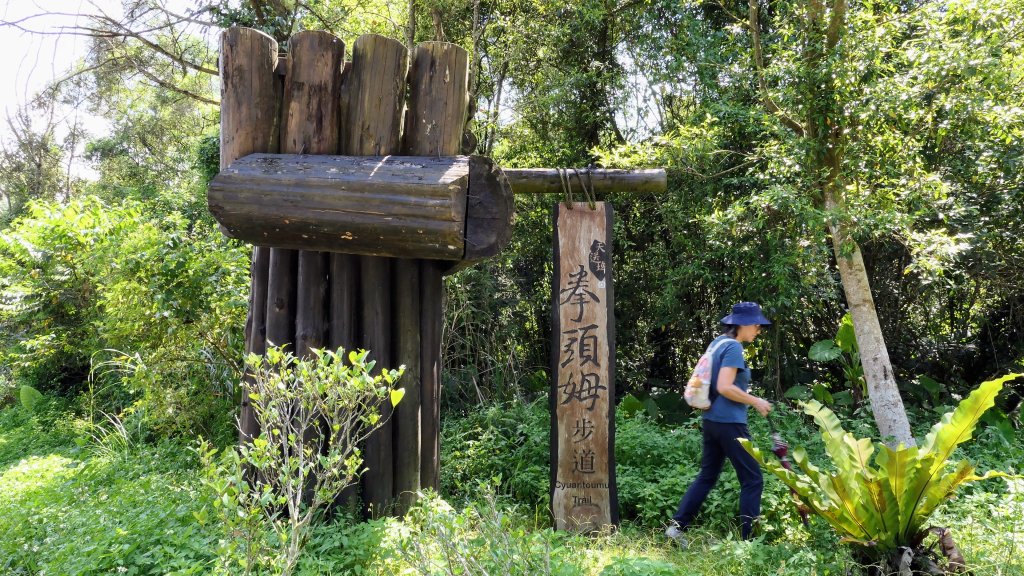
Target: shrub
[[507, 442], [880, 503], [313, 414], [485, 539], [141, 313]]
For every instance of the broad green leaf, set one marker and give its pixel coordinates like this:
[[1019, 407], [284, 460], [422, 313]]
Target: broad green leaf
[[30, 397], [824, 351], [630, 406], [396, 396], [886, 509], [918, 479], [834, 437], [819, 478], [884, 500], [958, 426], [805, 490], [846, 337], [931, 386], [798, 393], [895, 466]]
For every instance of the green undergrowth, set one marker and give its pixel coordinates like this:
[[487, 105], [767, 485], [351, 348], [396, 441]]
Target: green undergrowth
[[76, 502]]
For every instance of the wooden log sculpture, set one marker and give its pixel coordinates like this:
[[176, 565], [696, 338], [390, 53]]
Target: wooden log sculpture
[[356, 221], [375, 285]]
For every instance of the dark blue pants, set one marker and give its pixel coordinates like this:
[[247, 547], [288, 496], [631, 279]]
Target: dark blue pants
[[720, 443]]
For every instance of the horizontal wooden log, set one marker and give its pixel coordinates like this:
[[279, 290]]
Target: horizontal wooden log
[[549, 181], [439, 208], [374, 206]]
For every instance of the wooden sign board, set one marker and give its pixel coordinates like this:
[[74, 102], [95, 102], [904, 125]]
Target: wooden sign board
[[583, 495]]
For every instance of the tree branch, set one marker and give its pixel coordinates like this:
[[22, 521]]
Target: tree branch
[[119, 30], [769, 103], [169, 86], [836, 23]]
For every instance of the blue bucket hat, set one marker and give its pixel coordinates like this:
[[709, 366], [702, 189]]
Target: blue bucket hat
[[745, 314]]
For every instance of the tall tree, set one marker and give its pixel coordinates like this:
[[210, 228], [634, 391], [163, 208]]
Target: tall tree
[[36, 163], [850, 85]]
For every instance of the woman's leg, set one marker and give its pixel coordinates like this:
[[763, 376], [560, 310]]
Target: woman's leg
[[712, 458], [748, 472]]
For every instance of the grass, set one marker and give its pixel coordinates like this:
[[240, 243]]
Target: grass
[[71, 506]]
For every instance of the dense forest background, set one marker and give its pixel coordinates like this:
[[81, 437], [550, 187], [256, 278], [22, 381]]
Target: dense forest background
[[118, 283], [801, 138]]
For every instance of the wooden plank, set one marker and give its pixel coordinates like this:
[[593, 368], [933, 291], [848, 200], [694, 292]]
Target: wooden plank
[[312, 91], [438, 78], [583, 495], [255, 336], [343, 329], [435, 121], [375, 295], [250, 94], [373, 98], [343, 320], [249, 122], [281, 289], [311, 303], [489, 211]]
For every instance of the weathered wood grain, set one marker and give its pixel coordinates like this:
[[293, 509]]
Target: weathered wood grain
[[373, 97], [396, 206], [249, 122], [435, 120], [583, 495]]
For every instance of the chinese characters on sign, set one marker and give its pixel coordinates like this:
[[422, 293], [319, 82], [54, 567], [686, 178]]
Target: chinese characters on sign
[[583, 495]]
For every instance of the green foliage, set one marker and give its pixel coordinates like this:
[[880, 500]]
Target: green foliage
[[508, 442], [879, 498], [484, 539], [842, 348], [313, 413], [29, 397], [654, 464], [141, 313], [69, 511], [639, 567]]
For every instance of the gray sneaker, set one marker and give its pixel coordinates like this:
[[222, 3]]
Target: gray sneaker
[[676, 534]]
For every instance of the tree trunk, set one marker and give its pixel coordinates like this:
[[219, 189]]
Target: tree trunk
[[886, 403]]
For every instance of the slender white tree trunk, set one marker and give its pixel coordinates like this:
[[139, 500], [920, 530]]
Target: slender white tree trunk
[[886, 403]]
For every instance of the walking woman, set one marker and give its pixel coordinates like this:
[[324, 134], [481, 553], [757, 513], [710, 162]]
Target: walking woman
[[726, 421]]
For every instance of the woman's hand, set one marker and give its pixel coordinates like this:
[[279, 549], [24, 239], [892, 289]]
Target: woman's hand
[[762, 406]]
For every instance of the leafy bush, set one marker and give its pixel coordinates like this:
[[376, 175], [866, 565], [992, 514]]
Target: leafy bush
[[313, 413], [139, 313], [639, 567], [879, 503], [484, 539], [74, 511], [506, 442]]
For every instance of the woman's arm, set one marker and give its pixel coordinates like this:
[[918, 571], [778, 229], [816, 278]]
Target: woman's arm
[[727, 387]]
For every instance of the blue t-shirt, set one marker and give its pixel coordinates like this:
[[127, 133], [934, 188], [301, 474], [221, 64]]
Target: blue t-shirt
[[722, 409]]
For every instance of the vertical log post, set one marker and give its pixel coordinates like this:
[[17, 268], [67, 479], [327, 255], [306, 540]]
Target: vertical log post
[[343, 287], [438, 100], [374, 95], [312, 92], [249, 122]]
